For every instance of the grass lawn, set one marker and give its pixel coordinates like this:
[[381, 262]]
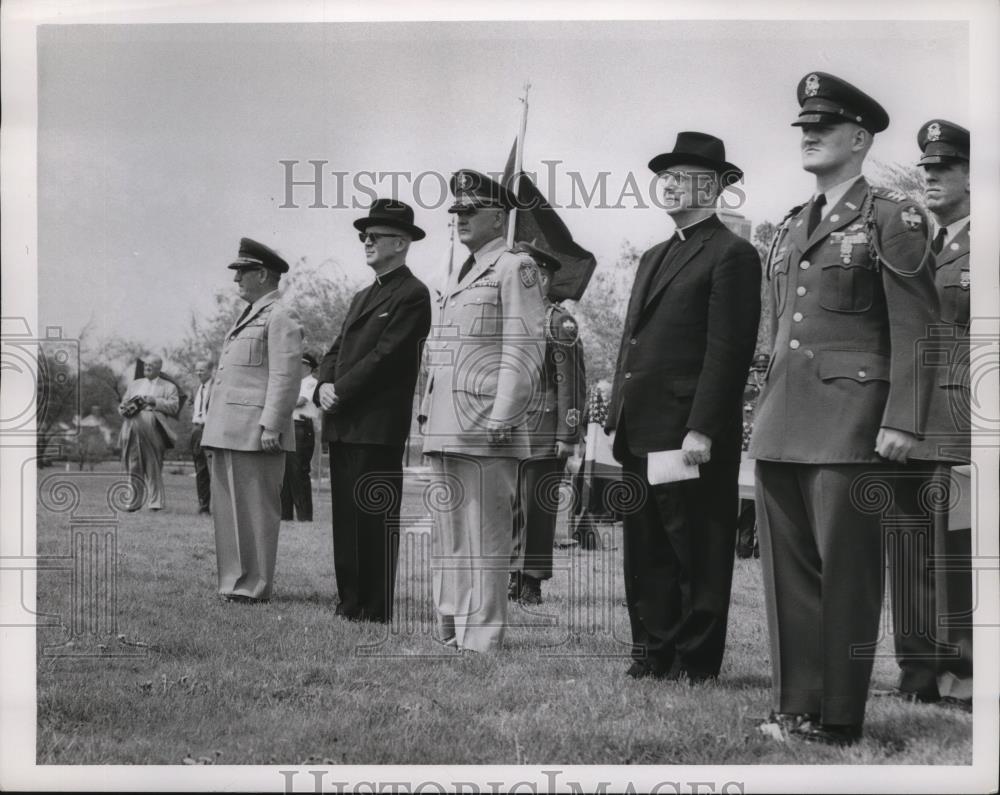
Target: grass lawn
[[165, 671]]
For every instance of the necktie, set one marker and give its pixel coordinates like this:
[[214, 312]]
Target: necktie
[[938, 243], [245, 313], [815, 213], [466, 267], [201, 401]]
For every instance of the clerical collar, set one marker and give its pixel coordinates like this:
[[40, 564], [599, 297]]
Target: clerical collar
[[388, 275], [682, 232]]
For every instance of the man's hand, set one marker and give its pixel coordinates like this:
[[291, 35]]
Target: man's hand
[[894, 445], [270, 441], [697, 448], [328, 397], [498, 433], [149, 400], [564, 450]]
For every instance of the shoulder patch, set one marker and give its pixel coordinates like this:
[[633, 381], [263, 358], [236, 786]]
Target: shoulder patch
[[912, 218], [528, 272]]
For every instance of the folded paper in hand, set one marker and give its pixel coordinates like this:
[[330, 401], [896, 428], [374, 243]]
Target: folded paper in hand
[[667, 466]]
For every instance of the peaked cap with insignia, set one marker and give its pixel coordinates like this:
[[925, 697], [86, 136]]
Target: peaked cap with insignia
[[826, 99], [942, 142]]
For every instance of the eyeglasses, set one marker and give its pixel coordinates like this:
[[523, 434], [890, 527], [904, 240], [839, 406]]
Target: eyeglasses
[[364, 237]]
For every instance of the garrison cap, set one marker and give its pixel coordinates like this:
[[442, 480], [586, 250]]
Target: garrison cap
[[255, 255], [942, 142], [826, 99], [477, 190]]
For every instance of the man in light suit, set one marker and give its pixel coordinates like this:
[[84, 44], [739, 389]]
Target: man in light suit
[[852, 295], [147, 433], [249, 426], [481, 406], [199, 410], [366, 383], [688, 340]]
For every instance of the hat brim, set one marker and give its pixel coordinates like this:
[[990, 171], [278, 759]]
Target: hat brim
[[414, 231], [933, 160], [241, 264], [729, 173]]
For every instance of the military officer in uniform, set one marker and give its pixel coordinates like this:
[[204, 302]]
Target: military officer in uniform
[[934, 655], [249, 426], [853, 293], [483, 395], [558, 431]]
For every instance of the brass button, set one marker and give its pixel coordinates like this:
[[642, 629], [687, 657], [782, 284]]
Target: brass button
[[627, 376], [797, 317], [809, 354], [805, 264], [800, 291], [452, 303], [862, 373], [794, 345], [633, 341]]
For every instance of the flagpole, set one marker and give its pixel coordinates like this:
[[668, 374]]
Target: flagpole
[[518, 161], [451, 247]]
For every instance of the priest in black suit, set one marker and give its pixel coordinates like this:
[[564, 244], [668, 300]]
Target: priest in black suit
[[365, 388], [689, 337]]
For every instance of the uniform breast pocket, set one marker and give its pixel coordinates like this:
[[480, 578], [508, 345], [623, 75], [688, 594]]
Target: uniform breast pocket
[[247, 350], [481, 313], [847, 287], [779, 276], [954, 291]]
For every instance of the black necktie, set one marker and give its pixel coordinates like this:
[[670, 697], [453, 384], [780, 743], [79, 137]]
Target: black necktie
[[245, 313], [938, 243], [466, 267], [815, 213]]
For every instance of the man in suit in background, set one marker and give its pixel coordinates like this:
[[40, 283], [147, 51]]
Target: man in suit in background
[[296, 489], [935, 656], [689, 336], [852, 296], [559, 429], [481, 407], [199, 407], [148, 407], [249, 426], [366, 382]]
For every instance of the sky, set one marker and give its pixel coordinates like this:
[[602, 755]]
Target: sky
[[160, 146]]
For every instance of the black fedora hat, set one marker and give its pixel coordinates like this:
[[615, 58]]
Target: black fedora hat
[[698, 149], [391, 212]]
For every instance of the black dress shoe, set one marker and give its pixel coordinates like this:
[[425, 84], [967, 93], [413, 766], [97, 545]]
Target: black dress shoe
[[345, 611], [828, 733], [531, 590], [960, 704], [643, 670], [243, 600]]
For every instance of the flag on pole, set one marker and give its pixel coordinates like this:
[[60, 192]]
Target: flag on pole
[[536, 222]]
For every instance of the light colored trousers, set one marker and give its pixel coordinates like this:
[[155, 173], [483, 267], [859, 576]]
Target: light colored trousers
[[471, 547], [246, 509]]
